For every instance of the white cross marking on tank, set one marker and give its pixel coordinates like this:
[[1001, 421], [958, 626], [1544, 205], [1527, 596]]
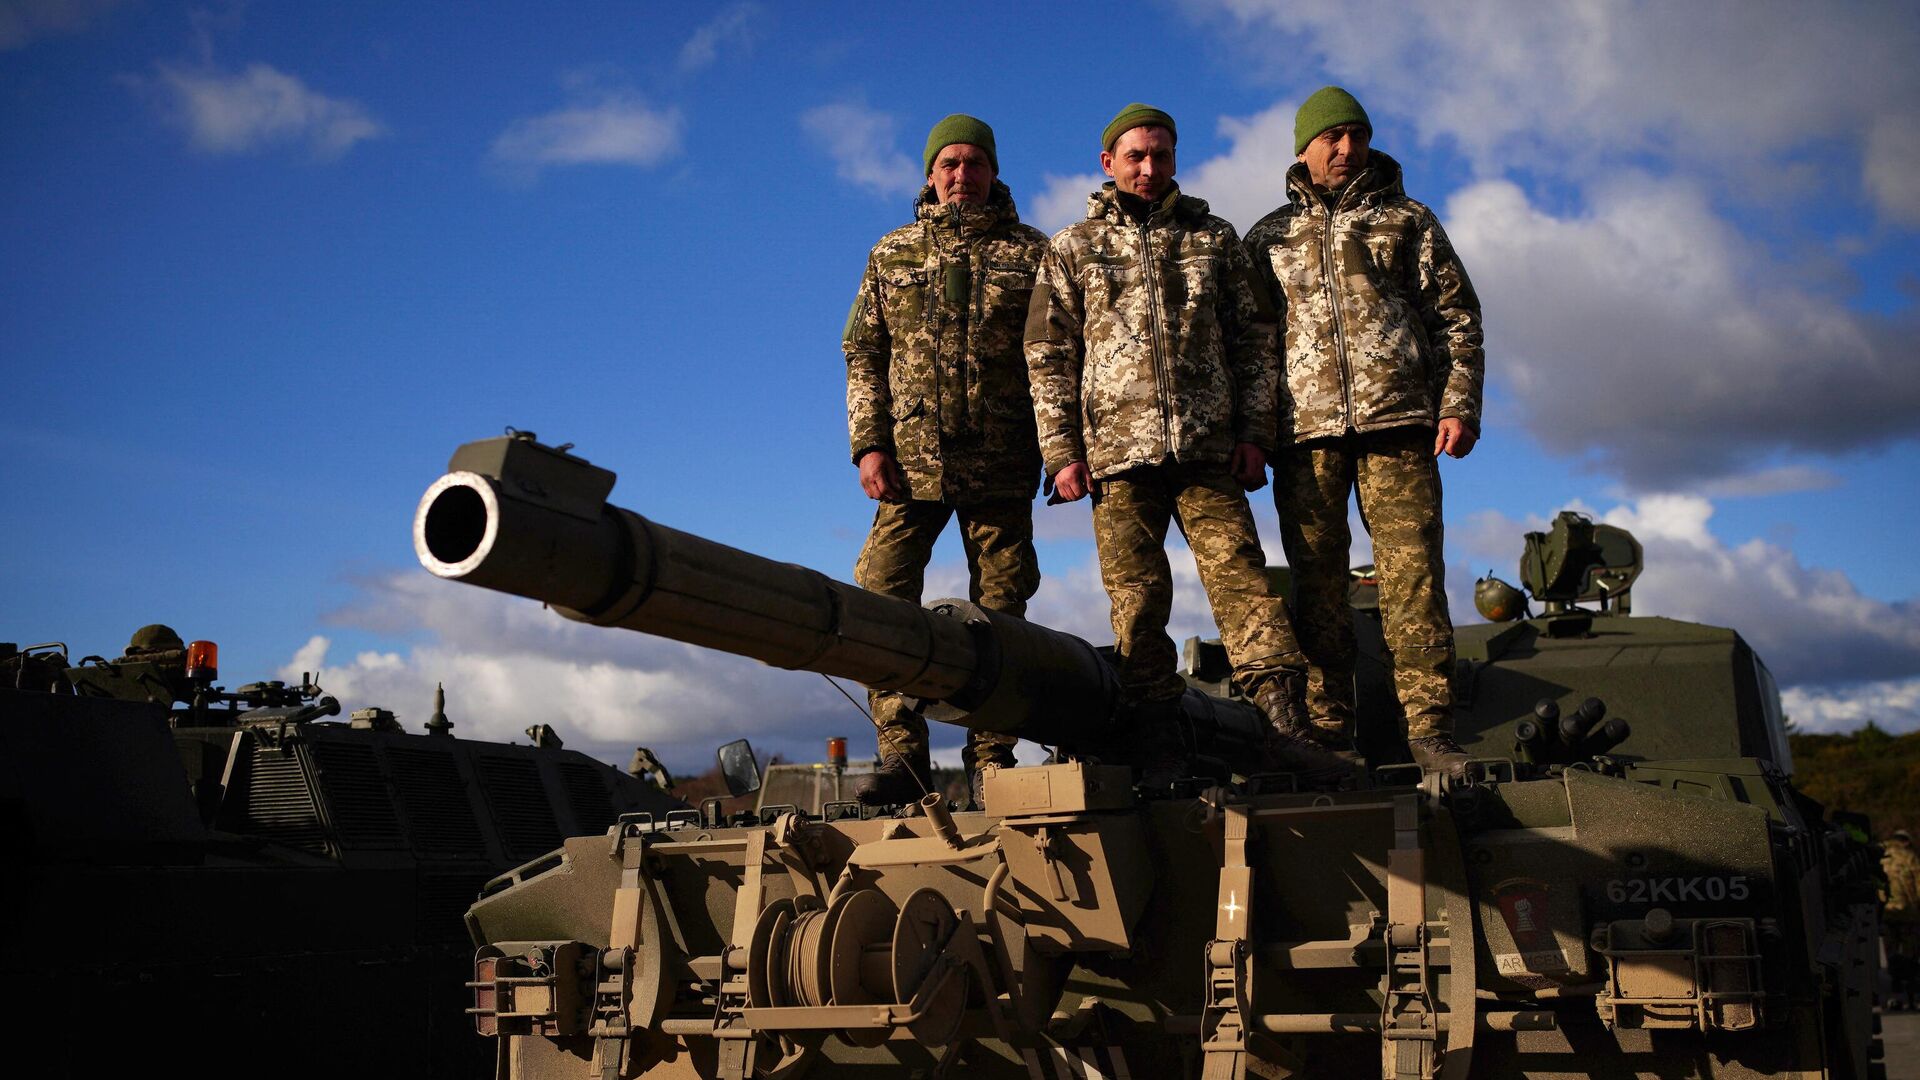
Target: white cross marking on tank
[[1232, 906]]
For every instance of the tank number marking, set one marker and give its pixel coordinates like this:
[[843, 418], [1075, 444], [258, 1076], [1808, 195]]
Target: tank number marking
[[1677, 890]]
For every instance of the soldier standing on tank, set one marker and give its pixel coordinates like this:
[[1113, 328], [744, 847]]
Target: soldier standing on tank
[[1151, 353], [1384, 366], [1902, 914], [940, 417]]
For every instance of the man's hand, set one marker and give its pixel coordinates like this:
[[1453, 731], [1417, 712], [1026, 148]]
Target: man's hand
[[1249, 466], [1454, 437], [1071, 483], [880, 477]]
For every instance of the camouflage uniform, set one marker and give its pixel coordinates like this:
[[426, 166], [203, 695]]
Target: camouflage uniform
[[1150, 351], [1902, 868], [1901, 924], [935, 378], [1382, 342]]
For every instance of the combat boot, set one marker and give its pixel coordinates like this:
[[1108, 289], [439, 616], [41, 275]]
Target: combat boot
[[1439, 753], [899, 780], [1283, 697], [999, 757], [1295, 744]]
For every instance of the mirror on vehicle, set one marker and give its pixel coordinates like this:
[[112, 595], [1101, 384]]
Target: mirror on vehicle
[[738, 767]]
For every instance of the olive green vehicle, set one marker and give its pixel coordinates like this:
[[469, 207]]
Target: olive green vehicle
[[1627, 890], [237, 883]]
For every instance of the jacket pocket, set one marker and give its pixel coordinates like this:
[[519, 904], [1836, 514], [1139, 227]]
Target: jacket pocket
[[905, 300], [1199, 275], [1195, 311], [915, 440], [1103, 285], [1006, 296]]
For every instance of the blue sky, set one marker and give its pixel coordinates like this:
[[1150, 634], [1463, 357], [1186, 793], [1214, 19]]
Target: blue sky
[[266, 267]]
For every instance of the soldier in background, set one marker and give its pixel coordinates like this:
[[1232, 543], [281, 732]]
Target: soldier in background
[[1902, 869], [158, 644], [1151, 354], [939, 414], [1383, 365]]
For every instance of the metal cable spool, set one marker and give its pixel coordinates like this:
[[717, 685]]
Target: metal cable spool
[[860, 950], [860, 962], [920, 938]]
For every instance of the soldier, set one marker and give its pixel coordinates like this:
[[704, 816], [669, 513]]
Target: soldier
[[1902, 867], [1151, 354], [1383, 373], [158, 644], [939, 413], [1902, 916]]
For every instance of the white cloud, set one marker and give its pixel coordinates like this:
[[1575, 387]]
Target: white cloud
[[1894, 705], [735, 25], [1248, 181], [1645, 334], [1725, 85], [1893, 167], [508, 663], [262, 106], [1063, 200], [613, 128], [1812, 625], [24, 21], [863, 144]]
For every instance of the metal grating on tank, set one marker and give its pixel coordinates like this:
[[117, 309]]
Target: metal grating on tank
[[520, 805], [280, 805], [434, 799], [586, 789], [358, 802]]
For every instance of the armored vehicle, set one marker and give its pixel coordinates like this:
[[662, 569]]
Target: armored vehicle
[[236, 883], [1634, 891]]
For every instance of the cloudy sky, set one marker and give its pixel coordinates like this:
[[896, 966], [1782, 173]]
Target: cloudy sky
[[267, 266]]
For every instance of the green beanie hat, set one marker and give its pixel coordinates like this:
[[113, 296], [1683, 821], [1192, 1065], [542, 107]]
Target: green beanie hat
[[961, 128], [1329, 106], [1133, 116]]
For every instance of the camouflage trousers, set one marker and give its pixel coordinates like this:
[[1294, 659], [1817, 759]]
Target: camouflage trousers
[[1131, 514], [1398, 482], [1003, 571]]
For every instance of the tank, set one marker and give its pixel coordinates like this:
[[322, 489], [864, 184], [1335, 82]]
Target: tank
[[1625, 891], [249, 882]]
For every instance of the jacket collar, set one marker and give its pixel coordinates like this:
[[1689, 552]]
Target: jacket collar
[[1104, 205], [1379, 181], [971, 220]]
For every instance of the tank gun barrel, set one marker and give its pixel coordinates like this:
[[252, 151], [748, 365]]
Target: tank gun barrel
[[519, 517]]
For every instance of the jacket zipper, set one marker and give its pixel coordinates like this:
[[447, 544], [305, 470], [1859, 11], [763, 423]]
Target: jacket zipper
[[933, 304], [1333, 300], [1153, 321]]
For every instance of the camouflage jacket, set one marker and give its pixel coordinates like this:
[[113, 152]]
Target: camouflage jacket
[[1902, 868], [1149, 341], [935, 374], [1382, 325]]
